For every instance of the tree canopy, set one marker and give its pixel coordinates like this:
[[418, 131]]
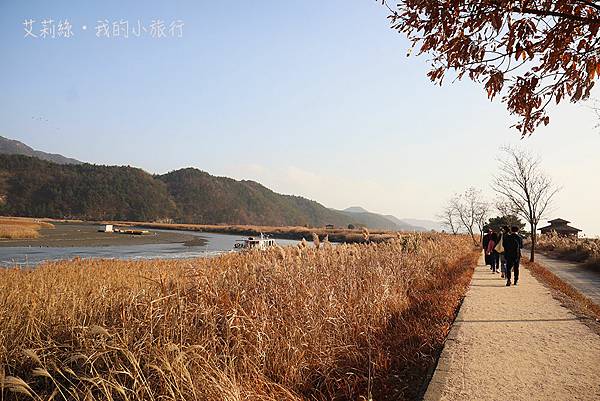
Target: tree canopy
[[531, 52], [34, 187], [496, 223]]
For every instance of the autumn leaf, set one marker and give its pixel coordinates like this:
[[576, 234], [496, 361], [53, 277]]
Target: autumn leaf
[[545, 48]]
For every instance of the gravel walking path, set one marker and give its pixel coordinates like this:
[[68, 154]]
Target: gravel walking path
[[516, 343]]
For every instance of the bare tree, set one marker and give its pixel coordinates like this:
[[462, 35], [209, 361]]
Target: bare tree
[[448, 218], [527, 189], [595, 107], [504, 207], [482, 214], [471, 211]]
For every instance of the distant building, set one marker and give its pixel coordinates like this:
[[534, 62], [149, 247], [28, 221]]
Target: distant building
[[561, 227], [108, 228], [329, 227]]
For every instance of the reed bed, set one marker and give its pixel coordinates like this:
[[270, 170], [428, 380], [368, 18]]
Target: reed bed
[[21, 227], [346, 322], [585, 250]]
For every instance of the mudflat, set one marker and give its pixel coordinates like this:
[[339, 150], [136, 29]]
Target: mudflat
[[82, 235]]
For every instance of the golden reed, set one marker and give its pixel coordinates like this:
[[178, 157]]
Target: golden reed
[[345, 322]]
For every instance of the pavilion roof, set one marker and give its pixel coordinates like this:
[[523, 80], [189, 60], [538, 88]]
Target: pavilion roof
[[560, 228]]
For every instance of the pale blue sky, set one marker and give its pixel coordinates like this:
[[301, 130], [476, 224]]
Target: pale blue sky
[[314, 98]]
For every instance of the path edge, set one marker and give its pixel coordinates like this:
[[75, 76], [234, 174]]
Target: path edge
[[437, 376]]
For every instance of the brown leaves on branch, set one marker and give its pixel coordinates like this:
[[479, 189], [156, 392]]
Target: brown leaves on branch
[[531, 52]]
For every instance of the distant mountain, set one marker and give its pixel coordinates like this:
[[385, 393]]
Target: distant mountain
[[374, 220], [33, 187], [387, 222], [427, 224], [405, 223], [35, 183], [355, 209], [14, 147]]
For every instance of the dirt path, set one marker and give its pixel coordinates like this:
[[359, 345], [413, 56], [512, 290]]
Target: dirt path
[[516, 343], [585, 280]]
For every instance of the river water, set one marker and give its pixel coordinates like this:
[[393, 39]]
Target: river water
[[213, 244]]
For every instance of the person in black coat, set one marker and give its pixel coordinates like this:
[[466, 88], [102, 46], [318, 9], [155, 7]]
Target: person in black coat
[[484, 244], [512, 251]]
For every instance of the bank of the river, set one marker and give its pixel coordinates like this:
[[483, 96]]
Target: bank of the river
[[283, 232], [82, 240], [12, 228], [86, 235]]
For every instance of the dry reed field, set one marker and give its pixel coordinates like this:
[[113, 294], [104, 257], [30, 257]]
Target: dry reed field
[[346, 322], [21, 227], [575, 249]]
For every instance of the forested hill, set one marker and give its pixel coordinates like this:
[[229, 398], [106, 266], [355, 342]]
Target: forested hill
[[34, 187], [13, 147], [203, 198]]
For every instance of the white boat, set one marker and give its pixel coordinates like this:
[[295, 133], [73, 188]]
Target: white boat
[[261, 243]]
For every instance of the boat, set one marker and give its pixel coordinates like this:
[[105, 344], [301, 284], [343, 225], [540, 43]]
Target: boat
[[132, 232], [262, 243], [109, 228]]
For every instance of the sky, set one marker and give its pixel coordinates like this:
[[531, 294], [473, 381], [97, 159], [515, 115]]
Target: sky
[[311, 98]]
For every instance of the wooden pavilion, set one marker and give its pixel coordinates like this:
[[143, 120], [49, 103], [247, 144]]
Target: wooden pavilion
[[561, 227]]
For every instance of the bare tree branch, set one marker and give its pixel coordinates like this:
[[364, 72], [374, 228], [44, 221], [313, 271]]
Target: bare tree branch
[[471, 211], [528, 192], [448, 218]]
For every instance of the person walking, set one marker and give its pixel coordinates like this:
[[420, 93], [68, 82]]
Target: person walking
[[513, 243], [498, 252], [484, 244], [503, 231], [491, 252]]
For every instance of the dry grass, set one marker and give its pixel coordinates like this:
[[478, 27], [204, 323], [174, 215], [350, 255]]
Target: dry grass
[[21, 227], [8, 231], [288, 232], [345, 322], [585, 305], [585, 250]]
